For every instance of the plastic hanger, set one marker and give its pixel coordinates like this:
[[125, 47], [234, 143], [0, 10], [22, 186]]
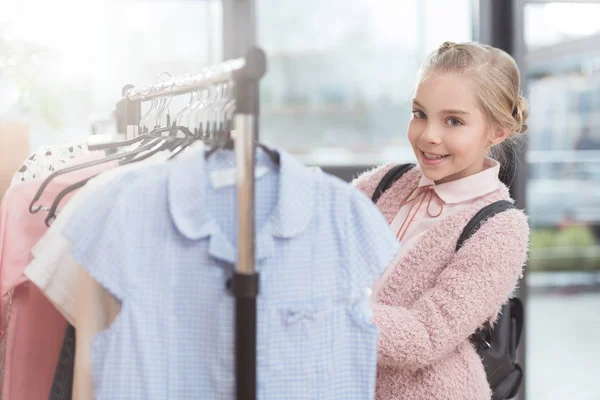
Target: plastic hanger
[[115, 157], [170, 143], [145, 121], [193, 107], [173, 142], [221, 138], [52, 211]]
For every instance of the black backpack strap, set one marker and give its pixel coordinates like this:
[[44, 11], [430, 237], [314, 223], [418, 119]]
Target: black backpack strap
[[478, 219], [389, 178], [517, 312], [482, 337]]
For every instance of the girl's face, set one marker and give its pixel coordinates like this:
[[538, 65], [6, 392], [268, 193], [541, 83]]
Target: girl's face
[[448, 132]]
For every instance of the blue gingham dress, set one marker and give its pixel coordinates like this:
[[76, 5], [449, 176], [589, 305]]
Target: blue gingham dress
[[162, 240]]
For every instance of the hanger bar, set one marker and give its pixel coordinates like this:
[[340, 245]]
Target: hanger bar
[[249, 68]]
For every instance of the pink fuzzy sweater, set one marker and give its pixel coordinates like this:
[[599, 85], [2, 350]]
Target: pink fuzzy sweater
[[436, 297]]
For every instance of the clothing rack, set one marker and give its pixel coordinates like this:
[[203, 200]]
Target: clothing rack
[[246, 73]]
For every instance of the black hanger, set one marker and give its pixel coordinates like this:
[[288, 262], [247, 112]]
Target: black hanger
[[112, 145], [169, 144], [273, 154], [225, 141], [52, 212], [221, 139], [143, 137], [199, 134], [148, 141], [114, 157], [184, 145]]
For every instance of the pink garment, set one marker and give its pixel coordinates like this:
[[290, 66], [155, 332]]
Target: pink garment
[[35, 329], [411, 223], [434, 298]]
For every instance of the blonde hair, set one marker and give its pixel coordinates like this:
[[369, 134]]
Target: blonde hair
[[494, 75]]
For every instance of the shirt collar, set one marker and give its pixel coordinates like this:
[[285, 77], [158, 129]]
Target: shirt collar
[[467, 188], [292, 214]]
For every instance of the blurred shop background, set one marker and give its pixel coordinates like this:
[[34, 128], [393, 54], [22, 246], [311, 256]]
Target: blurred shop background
[[337, 94]]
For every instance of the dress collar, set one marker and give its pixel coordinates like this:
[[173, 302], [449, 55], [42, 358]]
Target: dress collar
[[291, 216], [468, 188]]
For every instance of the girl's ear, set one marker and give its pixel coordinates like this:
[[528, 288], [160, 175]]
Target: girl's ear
[[499, 135]]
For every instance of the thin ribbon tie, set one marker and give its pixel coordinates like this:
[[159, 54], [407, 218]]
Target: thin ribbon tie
[[421, 194]]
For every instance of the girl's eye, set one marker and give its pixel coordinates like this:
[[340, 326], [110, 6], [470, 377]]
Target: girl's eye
[[418, 114], [453, 122]]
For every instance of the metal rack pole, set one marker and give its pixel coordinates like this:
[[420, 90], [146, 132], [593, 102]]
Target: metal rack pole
[[246, 279], [239, 69], [246, 73], [243, 71]]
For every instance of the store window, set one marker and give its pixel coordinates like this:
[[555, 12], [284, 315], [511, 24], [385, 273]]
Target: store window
[[563, 73], [341, 73], [340, 78], [563, 199], [63, 62]]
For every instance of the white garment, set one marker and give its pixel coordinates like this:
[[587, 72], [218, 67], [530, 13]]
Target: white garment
[[47, 160], [52, 268]]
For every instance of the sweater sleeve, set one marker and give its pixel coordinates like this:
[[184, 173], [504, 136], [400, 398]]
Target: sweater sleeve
[[471, 289], [367, 181]]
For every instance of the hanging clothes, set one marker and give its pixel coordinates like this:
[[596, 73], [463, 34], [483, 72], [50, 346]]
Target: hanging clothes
[[54, 272], [52, 268], [34, 332], [40, 164], [162, 240]]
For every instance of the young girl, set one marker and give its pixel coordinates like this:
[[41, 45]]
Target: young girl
[[432, 298]]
